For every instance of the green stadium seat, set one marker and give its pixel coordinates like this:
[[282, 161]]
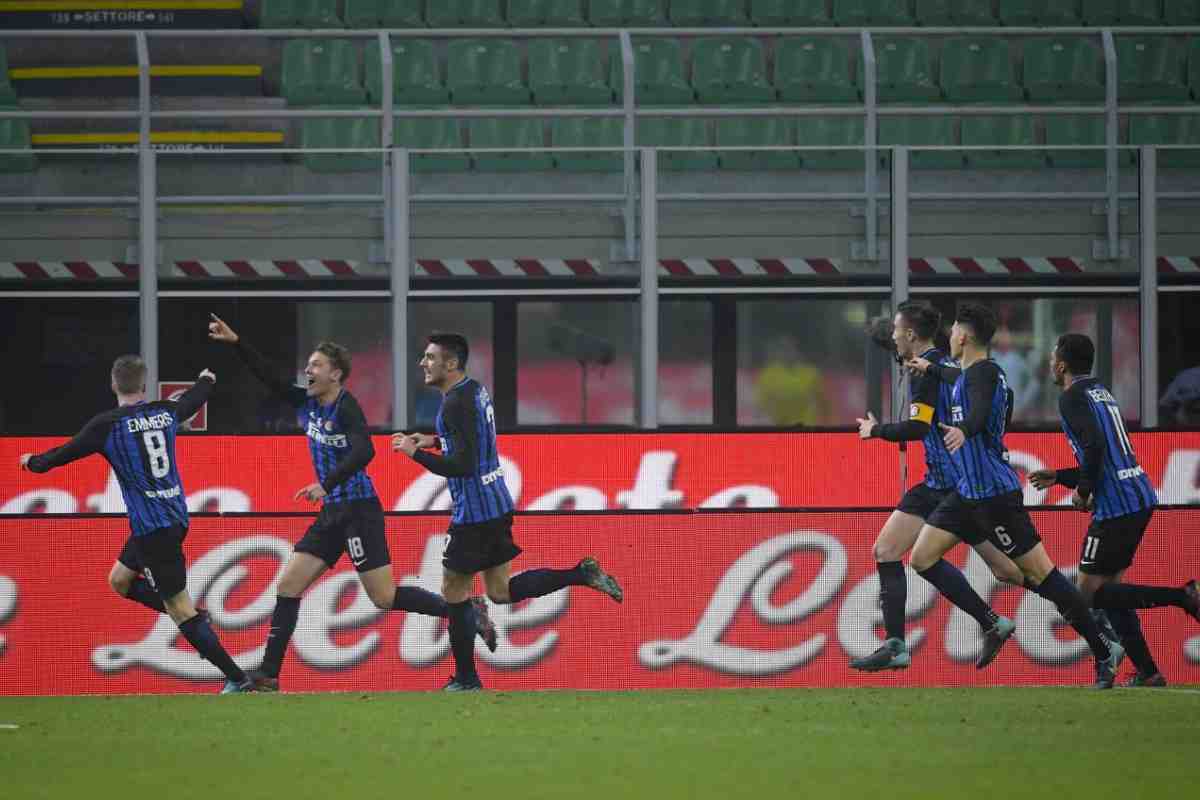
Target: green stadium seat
[[1064, 130], [1168, 129], [1040, 12], [658, 71], [831, 132], [731, 71], [1063, 69], [921, 130], [546, 13], [1150, 70], [904, 71], [385, 13], [1003, 130], [15, 133], [321, 71], [815, 70], [464, 14], [568, 72], [677, 132], [798, 13], [979, 71], [299, 14], [1102, 13], [755, 131], [631, 13], [508, 132], [485, 72], [343, 133], [696, 13], [7, 95], [955, 13], [415, 79], [429, 133], [583, 132], [1193, 68], [1181, 12], [854, 13]]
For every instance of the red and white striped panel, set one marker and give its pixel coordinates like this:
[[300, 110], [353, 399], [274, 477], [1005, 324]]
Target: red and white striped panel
[[300, 268], [65, 270], [1018, 265], [506, 267], [1172, 264], [732, 267]]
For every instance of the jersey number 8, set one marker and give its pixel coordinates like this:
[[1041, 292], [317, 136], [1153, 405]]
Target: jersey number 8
[[156, 449]]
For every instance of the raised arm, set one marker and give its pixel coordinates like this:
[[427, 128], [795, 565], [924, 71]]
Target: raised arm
[[89, 440], [354, 423], [194, 398], [219, 331], [460, 418]]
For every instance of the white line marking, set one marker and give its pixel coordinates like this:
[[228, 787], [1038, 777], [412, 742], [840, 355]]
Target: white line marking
[[8, 726]]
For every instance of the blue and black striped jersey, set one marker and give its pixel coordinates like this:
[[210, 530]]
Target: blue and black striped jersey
[[139, 442], [338, 439], [1108, 469], [928, 392], [470, 460], [980, 406]]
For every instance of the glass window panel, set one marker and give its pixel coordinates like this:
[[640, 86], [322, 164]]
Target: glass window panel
[[685, 362], [472, 320], [575, 362]]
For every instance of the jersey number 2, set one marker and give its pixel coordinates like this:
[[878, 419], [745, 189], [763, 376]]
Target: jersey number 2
[[156, 449]]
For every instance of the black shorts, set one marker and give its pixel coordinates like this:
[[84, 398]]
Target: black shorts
[[159, 555], [922, 499], [1110, 544], [1002, 520], [483, 545], [354, 527]]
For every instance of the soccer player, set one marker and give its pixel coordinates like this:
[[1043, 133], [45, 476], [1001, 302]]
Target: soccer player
[[913, 329], [480, 535], [1110, 482], [138, 439], [351, 518], [987, 501]]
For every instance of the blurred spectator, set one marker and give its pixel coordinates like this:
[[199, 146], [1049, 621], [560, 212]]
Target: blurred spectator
[[790, 391], [1021, 378], [1180, 404]]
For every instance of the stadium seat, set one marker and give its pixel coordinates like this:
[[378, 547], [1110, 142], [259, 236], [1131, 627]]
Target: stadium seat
[[1150, 70], [677, 132], [1168, 129], [428, 134], [415, 79], [299, 14], [385, 13], [1193, 68], [631, 13], [344, 133], [1064, 130], [779, 13], [584, 132], [1102, 13], [1181, 12], [1007, 131], [568, 72], [752, 131], [464, 14], [831, 132], [546, 13], [955, 13], [815, 70], [979, 71], [485, 72], [508, 132], [321, 71], [904, 71], [7, 95], [695, 13], [856, 13], [659, 74], [921, 130], [731, 71], [1040, 12], [1064, 69], [14, 133]]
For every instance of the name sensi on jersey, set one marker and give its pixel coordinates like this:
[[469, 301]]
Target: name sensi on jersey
[[330, 439], [156, 422]]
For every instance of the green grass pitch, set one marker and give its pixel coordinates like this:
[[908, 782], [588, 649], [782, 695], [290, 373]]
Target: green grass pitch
[[802, 743]]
